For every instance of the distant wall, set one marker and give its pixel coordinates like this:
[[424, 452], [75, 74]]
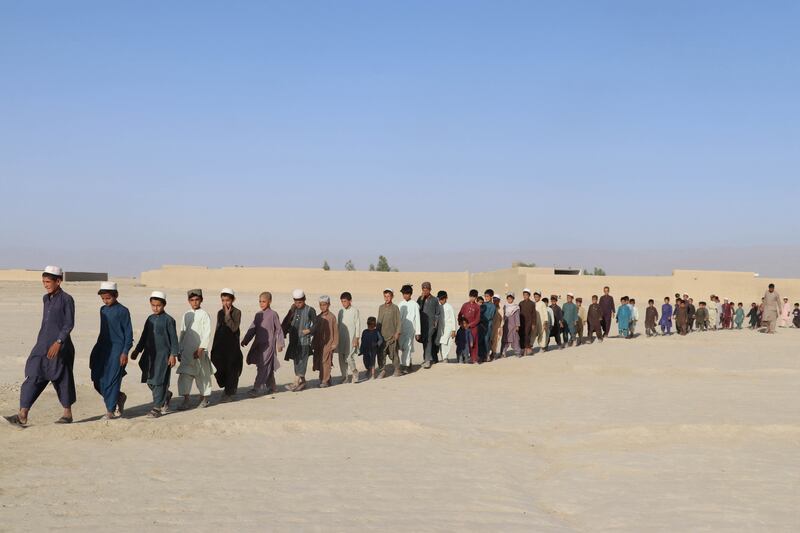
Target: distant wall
[[36, 275], [739, 286], [85, 276], [313, 281]]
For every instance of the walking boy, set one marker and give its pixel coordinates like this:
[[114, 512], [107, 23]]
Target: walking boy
[[371, 343], [52, 357], [325, 341], [349, 322], [194, 339], [159, 347], [226, 354], [297, 324], [110, 353], [269, 340]]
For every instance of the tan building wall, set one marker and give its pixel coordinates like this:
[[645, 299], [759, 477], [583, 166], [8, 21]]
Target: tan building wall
[[313, 281], [739, 286], [19, 274]]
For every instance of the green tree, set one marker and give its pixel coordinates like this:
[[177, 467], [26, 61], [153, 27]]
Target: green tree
[[325, 265], [526, 265], [349, 266], [599, 271], [383, 264]]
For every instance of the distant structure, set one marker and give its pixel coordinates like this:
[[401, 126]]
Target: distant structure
[[20, 274]]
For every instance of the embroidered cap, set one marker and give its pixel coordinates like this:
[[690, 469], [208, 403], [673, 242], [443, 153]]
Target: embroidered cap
[[158, 295], [107, 286], [298, 294], [227, 291], [53, 271]]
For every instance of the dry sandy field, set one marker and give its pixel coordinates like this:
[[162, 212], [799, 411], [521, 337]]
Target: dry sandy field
[[696, 433]]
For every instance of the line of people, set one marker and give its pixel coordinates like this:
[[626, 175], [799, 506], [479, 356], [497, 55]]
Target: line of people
[[483, 330]]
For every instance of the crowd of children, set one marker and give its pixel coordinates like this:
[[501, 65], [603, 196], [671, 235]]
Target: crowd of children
[[483, 330]]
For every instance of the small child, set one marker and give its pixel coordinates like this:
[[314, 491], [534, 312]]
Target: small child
[[194, 339], [796, 315], [753, 316], [268, 334], [624, 318], [634, 317], [159, 341], [349, 322], [739, 316], [371, 343], [110, 353], [682, 318], [651, 319], [464, 341], [701, 317], [666, 317]]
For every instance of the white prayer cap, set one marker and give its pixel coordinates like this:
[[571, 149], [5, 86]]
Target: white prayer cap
[[298, 294], [325, 299], [387, 289], [526, 289], [228, 291], [107, 286], [54, 271], [496, 297], [159, 295], [570, 294], [509, 293]]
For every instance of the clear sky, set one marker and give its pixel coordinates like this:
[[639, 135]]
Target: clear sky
[[283, 133]]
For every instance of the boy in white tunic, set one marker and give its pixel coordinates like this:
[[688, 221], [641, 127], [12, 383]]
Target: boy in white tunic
[[448, 331], [410, 328], [349, 323], [194, 339]]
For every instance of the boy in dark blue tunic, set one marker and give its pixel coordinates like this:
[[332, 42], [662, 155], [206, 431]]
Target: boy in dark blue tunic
[[52, 358], [159, 341], [370, 345], [110, 353]]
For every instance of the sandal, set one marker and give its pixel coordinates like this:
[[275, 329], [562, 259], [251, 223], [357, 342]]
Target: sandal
[[64, 420], [17, 421], [165, 407], [154, 413]]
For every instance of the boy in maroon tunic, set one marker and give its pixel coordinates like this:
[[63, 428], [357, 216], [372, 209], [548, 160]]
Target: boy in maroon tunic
[[471, 311]]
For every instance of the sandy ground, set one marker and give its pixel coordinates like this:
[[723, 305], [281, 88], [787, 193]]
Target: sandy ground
[[666, 434]]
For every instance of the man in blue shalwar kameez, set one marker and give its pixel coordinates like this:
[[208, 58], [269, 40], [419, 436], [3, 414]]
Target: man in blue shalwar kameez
[[110, 353], [53, 355]]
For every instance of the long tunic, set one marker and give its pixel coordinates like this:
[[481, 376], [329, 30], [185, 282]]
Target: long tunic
[[570, 311], [158, 342], [194, 334], [607, 306], [511, 325], [786, 314], [541, 313], [488, 310], [267, 336], [623, 318], [739, 316], [325, 341], [448, 324], [115, 339], [527, 322], [295, 321], [713, 313], [58, 319], [772, 306], [389, 325], [349, 323], [410, 325], [701, 317], [370, 345], [430, 316], [226, 353], [650, 317], [497, 328], [666, 316]]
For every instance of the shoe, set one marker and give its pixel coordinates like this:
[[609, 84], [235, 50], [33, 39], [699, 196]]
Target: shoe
[[165, 407], [427, 364], [204, 403]]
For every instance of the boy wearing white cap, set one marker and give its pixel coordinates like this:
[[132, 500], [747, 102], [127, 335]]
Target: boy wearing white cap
[[159, 342], [447, 340], [226, 354], [194, 339], [325, 341], [298, 324], [53, 356], [110, 353]]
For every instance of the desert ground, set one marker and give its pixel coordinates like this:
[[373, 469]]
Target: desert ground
[[692, 433]]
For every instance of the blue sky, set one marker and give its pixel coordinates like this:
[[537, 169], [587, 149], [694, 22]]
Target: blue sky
[[283, 133]]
